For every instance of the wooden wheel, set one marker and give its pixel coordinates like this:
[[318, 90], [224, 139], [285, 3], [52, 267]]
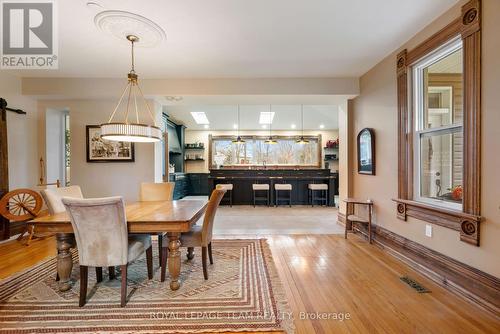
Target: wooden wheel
[[20, 205]]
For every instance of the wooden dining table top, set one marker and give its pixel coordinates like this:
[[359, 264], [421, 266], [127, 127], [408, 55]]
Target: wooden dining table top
[[142, 217]]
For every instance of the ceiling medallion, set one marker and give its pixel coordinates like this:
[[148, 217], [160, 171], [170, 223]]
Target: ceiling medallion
[[119, 24]]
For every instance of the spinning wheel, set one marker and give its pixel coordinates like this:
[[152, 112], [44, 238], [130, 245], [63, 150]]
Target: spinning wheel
[[20, 205]]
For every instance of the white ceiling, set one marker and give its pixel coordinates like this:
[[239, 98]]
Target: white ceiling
[[224, 117], [242, 38]]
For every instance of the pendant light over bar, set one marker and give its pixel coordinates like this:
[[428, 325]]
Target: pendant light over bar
[[238, 139], [302, 140], [270, 140], [131, 131]]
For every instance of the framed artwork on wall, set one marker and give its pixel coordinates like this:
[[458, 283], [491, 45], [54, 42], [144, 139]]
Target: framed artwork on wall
[[366, 151], [101, 150]]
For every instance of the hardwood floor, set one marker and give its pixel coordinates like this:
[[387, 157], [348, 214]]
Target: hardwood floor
[[326, 274]]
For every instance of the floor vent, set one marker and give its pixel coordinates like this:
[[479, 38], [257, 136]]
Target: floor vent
[[414, 284]]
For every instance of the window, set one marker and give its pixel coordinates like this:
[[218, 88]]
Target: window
[[256, 152], [439, 127], [438, 140]]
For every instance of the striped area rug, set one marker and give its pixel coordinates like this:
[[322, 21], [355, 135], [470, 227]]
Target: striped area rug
[[243, 293]]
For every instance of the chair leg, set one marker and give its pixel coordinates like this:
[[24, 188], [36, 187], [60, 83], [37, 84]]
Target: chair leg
[[290, 198], [84, 275], [210, 253], [160, 243], [230, 198], [164, 256], [98, 274], [111, 272], [190, 253], [124, 285], [149, 261], [254, 198], [204, 261]]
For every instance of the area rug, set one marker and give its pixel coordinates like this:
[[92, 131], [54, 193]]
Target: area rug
[[243, 293]]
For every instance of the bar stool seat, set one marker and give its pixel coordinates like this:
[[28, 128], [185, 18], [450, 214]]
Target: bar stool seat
[[225, 186], [282, 186], [228, 187], [318, 186], [322, 188], [260, 186]]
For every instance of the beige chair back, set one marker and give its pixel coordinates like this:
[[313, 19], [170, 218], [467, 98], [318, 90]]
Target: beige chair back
[[100, 228], [53, 196], [157, 191], [208, 222]]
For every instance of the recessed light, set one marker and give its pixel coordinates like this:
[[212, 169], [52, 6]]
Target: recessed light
[[321, 126], [200, 117], [235, 126], [206, 126], [264, 126], [293, 126], [266, 117], [174, 98]]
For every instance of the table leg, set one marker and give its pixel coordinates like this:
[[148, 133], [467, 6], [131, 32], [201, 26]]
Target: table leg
[[174, 260], [64, 261]]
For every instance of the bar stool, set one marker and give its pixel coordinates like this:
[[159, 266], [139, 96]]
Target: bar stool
[[260, 187], [322, 188], [282, 187], [228, 187]]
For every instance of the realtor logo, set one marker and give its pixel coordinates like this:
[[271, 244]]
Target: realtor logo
[[29, 39]]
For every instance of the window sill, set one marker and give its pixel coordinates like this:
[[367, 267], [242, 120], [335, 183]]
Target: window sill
[[466, 224]]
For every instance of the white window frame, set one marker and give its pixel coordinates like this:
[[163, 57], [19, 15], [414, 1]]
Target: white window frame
[[417, 82]]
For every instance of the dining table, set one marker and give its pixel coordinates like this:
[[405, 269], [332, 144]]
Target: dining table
[[154, 217]]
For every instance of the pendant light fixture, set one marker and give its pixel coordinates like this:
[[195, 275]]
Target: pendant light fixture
[[270, 140], [238, 139], [131, 131], [302, 140]]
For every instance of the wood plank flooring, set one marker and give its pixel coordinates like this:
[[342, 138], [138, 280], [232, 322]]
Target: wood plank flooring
[[327, 274]]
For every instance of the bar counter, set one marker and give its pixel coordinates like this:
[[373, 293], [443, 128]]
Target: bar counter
[[242, 180]]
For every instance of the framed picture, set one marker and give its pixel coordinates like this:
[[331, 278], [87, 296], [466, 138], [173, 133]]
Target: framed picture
[[101, 150], [366, 151]]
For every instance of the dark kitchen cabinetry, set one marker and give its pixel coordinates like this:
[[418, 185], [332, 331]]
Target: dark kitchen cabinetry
[[181, 188], [198, 184]]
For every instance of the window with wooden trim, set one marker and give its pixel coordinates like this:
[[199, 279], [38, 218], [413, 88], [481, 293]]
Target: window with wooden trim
[[439, 127]]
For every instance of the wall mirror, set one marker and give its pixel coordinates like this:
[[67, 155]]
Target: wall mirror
[[366, 151]]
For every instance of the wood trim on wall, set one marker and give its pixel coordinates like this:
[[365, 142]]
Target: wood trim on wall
[[4, 171], [468, 26], [463, 280]]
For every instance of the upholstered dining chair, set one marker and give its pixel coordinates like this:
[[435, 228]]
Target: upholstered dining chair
[[102, 238], [53, 196], [201, 236], [157, 192]]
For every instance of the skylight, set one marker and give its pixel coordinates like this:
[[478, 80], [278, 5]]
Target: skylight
[[200, 117], [266, 117]]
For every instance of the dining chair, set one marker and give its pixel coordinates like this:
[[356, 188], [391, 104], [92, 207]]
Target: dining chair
[[53, 196], [201, 236], [102, 238], [157, 192]]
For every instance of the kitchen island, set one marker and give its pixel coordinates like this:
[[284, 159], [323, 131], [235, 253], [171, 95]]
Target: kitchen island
[[242, 180]]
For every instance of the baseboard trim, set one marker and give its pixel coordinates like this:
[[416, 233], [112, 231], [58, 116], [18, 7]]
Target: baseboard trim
[[463, 280]]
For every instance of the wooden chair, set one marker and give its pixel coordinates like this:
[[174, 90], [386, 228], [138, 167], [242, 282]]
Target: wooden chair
[[228, 187], [201, 236], [157, 192], [101, 233], [352, 217]]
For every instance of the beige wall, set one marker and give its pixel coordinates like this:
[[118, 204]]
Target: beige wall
[[99, 179], [193, 136], [21, 134], [376, 107]]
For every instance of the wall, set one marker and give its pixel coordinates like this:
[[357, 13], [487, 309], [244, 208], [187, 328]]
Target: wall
[[100, 179], [193, 136], [21, 134], [376, 107]]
